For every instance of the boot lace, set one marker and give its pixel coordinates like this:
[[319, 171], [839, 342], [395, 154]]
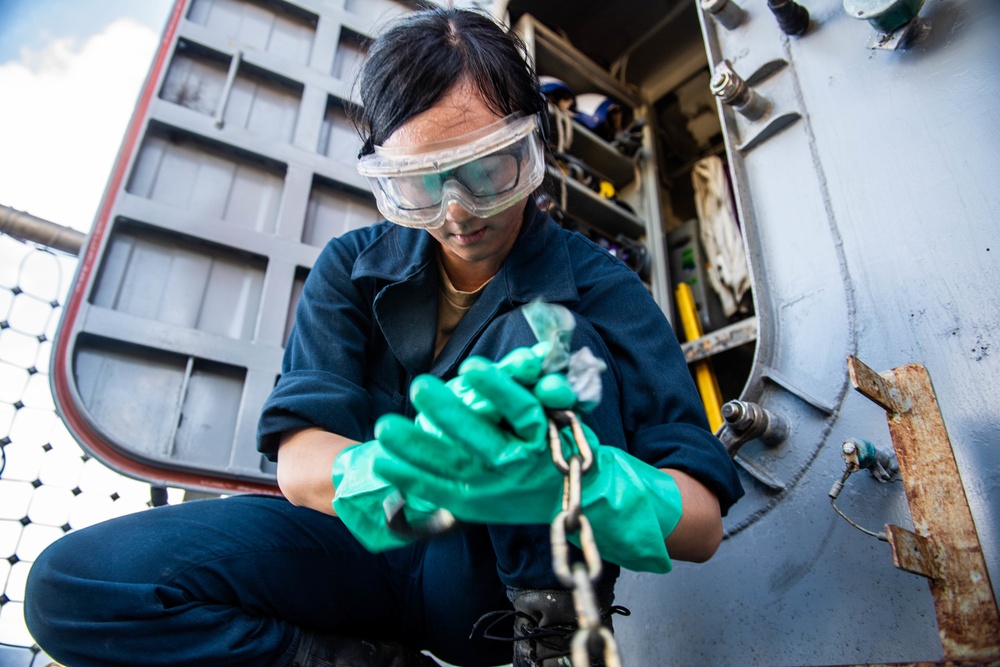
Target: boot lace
[[553, 637]]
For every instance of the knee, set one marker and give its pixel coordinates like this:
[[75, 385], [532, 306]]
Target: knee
[[66, 587], [45, 595]]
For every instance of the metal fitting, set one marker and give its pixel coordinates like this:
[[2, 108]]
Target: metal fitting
[[858, 453], [737, 415], [28, 227], [746, 421], [861, 454], [793, 18], [732, 90], [884, 15], [896, 23], [726, 12]]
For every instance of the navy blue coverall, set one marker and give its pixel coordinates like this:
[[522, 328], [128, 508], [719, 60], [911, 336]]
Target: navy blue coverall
[[231, 581]]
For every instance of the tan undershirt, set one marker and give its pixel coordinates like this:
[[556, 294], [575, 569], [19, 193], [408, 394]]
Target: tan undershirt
[[453, 304]]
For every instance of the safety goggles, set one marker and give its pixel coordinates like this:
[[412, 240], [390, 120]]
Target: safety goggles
[[485, 172]]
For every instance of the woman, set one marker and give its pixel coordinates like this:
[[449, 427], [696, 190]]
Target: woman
[[451, 126]]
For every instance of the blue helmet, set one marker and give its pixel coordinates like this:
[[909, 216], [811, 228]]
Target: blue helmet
[[598, 113], [557, 92]]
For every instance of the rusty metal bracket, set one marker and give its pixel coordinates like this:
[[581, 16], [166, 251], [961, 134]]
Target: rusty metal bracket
[[911, 552], [945, 547]]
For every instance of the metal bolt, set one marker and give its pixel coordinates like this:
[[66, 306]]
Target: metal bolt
[[793, 18], [729, 87], [732, 411], [746, 421], [727, 13]]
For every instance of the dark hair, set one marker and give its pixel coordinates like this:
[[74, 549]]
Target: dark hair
[[420, 58]]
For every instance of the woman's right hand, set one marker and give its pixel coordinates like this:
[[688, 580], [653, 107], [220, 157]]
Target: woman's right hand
[[361, 497], [488, 462]]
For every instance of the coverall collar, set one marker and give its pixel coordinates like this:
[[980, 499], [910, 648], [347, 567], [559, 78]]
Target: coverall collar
[[538, 267]]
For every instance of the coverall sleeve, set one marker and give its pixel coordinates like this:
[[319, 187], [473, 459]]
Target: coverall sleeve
[[662, 415], [322, 378]]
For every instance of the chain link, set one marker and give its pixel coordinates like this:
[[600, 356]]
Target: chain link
[[580, 576]]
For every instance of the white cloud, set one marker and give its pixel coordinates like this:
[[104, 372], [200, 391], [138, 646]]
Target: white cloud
[[63, 114]]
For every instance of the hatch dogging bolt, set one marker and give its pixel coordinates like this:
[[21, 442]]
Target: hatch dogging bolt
[[745, 421], [793, 18], [734, 91], [726, 12], [734, 412]]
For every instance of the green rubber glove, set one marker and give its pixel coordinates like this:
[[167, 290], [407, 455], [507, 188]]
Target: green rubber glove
[[465, 462], [361, 496], [524, 364], [632, 507], [460, 459]]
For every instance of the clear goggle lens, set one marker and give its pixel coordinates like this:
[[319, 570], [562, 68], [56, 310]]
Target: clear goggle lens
[[485, 172]]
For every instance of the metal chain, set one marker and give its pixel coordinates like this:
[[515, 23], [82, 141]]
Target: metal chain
[[579, 576]]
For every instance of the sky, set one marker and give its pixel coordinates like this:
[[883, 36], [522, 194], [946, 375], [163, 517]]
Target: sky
[[70, 75]]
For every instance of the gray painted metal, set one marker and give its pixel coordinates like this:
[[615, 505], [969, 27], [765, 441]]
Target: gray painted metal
[[872, 229], [240, 169]]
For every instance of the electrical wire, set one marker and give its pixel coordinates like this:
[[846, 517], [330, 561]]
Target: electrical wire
[[564, 139], [880, 536], [838, 486]]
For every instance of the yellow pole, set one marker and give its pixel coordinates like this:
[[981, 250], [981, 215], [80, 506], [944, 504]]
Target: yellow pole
[[704, 375]]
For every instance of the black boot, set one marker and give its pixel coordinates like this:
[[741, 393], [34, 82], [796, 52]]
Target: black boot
[[326, 650], [543, 628], [544, 624]]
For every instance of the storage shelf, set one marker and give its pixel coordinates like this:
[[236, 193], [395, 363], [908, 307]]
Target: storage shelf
[[596, 211], [556, 57], [601, 156], [716, 342], [633, 178]]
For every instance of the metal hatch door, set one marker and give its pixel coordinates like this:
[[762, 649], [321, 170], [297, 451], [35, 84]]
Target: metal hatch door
[[237, 167]]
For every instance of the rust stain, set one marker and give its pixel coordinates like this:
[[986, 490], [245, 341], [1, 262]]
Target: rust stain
[[943, 663], [967, 614], [870, 383], [911, 552], [968, 620]]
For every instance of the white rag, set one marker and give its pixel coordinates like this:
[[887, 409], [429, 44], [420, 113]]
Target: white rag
[[720, 235]]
